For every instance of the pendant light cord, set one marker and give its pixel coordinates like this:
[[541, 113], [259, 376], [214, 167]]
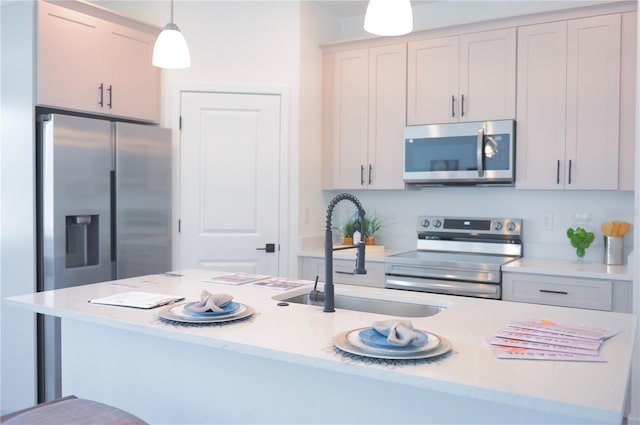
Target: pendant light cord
[[171, 20]]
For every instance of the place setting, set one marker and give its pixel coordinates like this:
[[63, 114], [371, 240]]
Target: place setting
[[210, 308], [392, 339]]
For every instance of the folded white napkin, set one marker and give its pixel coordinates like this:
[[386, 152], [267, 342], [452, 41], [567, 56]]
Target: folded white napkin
[[211, 302], [400, 333]]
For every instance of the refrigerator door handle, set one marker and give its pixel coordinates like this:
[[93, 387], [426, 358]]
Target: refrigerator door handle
[[112, 190]]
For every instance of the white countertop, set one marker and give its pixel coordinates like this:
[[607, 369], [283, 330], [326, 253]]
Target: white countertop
[[589, 270], [303, 335]]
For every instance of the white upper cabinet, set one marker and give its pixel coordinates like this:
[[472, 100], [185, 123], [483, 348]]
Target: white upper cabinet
[[89, 64], [471, 77], [69, 58], [628, 53], [542, 102], [364, 117], [568, 104], [133, 81]]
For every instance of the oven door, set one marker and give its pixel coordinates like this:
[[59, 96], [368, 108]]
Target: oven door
[[447, 287], [460, 153]]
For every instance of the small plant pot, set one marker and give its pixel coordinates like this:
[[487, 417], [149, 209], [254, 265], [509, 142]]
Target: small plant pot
[[370, 240], [347, 241]]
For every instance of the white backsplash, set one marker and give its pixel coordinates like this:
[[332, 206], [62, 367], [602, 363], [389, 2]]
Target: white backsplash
[[530, 205]]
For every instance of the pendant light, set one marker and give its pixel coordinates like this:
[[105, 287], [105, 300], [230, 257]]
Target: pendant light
[[389, 17], [171, 50]]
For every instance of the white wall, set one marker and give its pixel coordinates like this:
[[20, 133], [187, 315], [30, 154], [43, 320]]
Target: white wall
[[17, 174], [502, 202], [318, 26]]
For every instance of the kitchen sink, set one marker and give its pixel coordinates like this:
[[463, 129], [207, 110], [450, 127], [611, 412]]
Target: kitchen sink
[[371, 305]]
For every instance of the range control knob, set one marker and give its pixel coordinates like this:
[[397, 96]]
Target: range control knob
[[437, 223], [424, 223], [498, 225], [511, 226]]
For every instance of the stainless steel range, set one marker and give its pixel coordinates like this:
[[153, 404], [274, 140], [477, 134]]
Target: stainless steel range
[[457, 256]]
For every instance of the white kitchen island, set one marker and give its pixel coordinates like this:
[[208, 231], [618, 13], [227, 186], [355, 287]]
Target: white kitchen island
[[280, 366]]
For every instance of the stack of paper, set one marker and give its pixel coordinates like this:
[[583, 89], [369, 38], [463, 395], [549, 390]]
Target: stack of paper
[[549, 340], [239, 278], [137, 299]]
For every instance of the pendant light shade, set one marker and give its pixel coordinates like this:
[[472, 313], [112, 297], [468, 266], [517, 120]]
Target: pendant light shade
[[389, 17], [171, 50]]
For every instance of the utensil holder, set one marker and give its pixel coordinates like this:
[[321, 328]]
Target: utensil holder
[[613, 250]]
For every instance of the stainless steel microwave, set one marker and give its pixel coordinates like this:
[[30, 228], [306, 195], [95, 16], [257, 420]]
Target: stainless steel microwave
[[466, 153]]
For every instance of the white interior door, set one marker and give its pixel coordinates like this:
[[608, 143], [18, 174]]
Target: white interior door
[[229, 184]]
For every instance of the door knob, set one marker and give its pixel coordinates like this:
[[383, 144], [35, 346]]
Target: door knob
[[269, 247]]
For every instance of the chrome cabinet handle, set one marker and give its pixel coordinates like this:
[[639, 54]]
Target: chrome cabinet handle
[[480, 152], [110, 90], [101, 88], [558, 172], [462, 107], [370, 173], [570, 165], [361, 175], [453, 108]]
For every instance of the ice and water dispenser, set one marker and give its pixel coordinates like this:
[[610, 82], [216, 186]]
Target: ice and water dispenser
[[82, 240]]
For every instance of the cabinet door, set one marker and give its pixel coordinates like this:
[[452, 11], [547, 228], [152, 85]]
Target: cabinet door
[[542, 68], [387, 116], [432, 81], [346, 119], [628, 68], [488, 75], [69, 59], [592, 294], [593, 102], [131, 81]]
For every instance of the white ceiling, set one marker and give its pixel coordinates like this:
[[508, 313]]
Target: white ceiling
[[345, 8]]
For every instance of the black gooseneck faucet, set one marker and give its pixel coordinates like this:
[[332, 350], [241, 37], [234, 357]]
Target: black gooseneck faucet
[[329, 306]]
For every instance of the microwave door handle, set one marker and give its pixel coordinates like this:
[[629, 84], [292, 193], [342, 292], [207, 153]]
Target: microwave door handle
[[480, 152]]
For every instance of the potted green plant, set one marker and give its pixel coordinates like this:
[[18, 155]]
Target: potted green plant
[[372, 224], [346, 230]]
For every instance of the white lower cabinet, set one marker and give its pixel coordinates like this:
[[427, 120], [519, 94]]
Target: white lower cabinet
[[594, 294], [310, 267]]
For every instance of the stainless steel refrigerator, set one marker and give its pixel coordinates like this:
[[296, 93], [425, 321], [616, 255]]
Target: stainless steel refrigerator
[[104, 212]]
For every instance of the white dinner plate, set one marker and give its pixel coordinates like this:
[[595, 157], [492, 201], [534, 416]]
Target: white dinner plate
[[177, 313], [349, 342], [355, 337]]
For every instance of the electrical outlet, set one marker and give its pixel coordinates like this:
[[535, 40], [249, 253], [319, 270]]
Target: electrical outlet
[[393, 216], [547, 221]]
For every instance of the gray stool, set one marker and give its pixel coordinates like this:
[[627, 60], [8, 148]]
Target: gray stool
[[71, 411]]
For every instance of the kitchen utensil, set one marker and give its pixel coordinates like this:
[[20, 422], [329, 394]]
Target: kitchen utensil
[[615, 228], [613, 250]]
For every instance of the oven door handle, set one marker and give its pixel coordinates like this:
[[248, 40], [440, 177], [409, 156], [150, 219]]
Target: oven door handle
[[424, 286], [480, 152]]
